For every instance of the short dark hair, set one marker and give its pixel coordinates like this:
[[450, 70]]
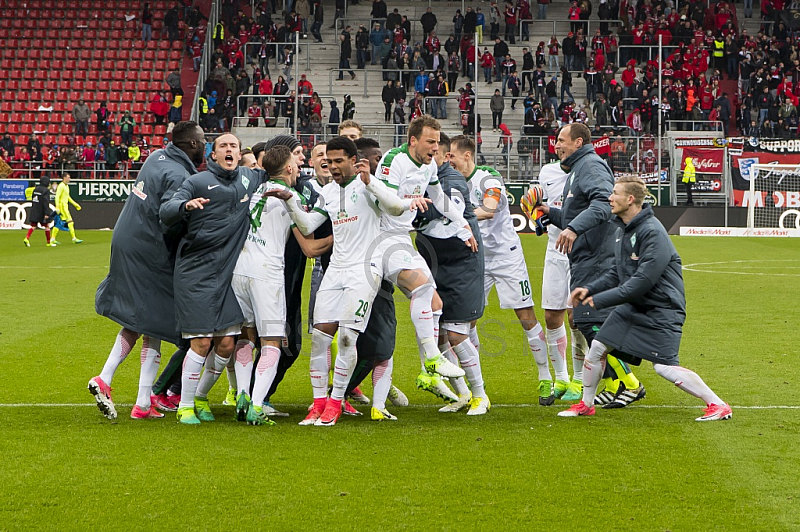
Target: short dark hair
[[365, 143], [444, 141], [258, 148], [182, 132], [344, 144], [275, 160]]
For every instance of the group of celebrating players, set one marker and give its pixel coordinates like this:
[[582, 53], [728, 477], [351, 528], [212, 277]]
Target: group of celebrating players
[[215, 262]]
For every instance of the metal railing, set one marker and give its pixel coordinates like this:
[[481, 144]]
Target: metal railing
[[205, 64]]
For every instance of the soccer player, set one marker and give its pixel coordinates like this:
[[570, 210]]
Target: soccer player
[[41, 214], [258, 283], [137, 293], [458, 272], [411, 172], [354, 202], [214, 205], [505, 265], [63, 201], [645, 287], [585, 238], [351, 129]]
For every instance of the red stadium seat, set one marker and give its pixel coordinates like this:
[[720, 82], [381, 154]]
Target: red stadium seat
[[57, 64], [74, 96], [2, 84], [150, 55], [103, 86], [119, 75], [129, 86], [115, 35], [161, 65], [44, 65], [83, 65], [13, 84], [38, 85], [138, 108], [91, 85], [43, 118], [62, 97], [176, 55], [59, 107], [146, 129], [78, 85], [102, 35], [127, 97], [113, 107], [50, 96], [73, 53], [68, 75], [162, 55], [5, 64], [50, 140], [54, 129], [13, 129], [89, 96], [161, 130], [112, 54], [25, 85], [21, 53], [47, 53], [22, 139], [123, 55], [6, 106], [96, 65], [109, 65], [126, 44], [93, 75], [115, 97], [143, 86], [135, 65], [26, 129], [71, 64]]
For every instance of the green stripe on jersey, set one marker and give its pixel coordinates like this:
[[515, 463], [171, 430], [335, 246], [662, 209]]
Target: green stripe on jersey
[[393, 187], [387, 161], [319, 211], [490, 170]]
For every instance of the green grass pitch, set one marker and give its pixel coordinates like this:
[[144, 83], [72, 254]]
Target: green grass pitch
[[647, 467]]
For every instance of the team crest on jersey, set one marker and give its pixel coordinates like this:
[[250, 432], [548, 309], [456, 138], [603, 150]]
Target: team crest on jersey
[[138, 190], [633, 240], [245, 181], [306, 193], [417, 190], [354, 197], [341, 215]]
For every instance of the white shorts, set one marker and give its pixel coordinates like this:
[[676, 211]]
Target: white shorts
[[233, 330], [345, 297], [458, 327], [396, 253], [509, 273], [263, 304], [555, 283]]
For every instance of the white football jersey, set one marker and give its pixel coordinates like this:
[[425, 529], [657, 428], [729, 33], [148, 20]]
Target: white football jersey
[[498, 234], [356, 219], [553, 178], [270, 225], [409, 179]]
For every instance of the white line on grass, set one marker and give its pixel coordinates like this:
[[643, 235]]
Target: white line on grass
[[709, 267], [516, 405]]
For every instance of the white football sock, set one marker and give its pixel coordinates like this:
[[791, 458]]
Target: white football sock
[[150, 359], [459, 384], [579, 349], [688, 381], [266, 370], [381, 383], [123, 344], [593, 368], [319, 364], [190, 377], [232, 372], [423, 320], [557, 351], [471, 364], [215, 365], [538, 347], [243, 354], [473, 337], [345, 362]]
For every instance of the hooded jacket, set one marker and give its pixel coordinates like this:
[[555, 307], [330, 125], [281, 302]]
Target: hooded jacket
[[208, 251], [585, 210], [137, 293]]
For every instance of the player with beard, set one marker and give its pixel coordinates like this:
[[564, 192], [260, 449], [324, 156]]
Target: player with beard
[[138, 292], [411, 172]]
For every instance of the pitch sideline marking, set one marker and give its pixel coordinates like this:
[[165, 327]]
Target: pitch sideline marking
[[693, 267], [517, 405]]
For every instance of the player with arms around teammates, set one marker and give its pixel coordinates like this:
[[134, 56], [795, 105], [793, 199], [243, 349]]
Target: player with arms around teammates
[[410, 171], [355, 204]]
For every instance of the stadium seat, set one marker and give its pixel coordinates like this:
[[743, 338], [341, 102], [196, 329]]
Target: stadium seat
[[44, 65], [13, 128], [91, 85], [89, 96], [138, 108], [13, 83], [162, 55], [47, 53], [78, 85], [5, 64], [25, 85], [160, 130], [112, 54], [71, 64], [68, 74], [123, 55], [135, 65], [115, 35], [38, 85], [50, 140], [59, 106], [73, 52], [74, 96], [113, 107], [116, 86], [150, 55], [129, 86], [22, 53], [103, 86], [26, 129], [93, 75], [54, 129], [2, 84], [119, 75], [96, 65], [161, 66], [50, 96], [83, 65]]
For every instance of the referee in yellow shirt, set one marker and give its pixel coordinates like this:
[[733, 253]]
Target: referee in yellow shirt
[[63, 201]]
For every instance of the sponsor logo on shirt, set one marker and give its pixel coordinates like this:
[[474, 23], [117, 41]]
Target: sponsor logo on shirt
[[138, 190], [385, 170]]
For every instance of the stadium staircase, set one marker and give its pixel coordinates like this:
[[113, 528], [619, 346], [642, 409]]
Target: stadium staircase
[[57, 53]]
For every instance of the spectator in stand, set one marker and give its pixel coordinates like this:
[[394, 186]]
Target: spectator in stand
[[281, 90], [176, 111], [172, 19], [508, 65], [458, 25], [527, 68], [318, 20], [147, 23], [103, 117], [480, 22], [35, 148], [542, 14], [126, 127], [159, 106], [514, 85], [510, 16], [174, 82], [362, 46], [81, 113], [524, 15], [379, 11], [376, 37], [497, 105], [303, 10], [566, 84], [506, 140], [87, 156], [349, 111], [345, 51], [488, 65], [500, 52], [428, 22]]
